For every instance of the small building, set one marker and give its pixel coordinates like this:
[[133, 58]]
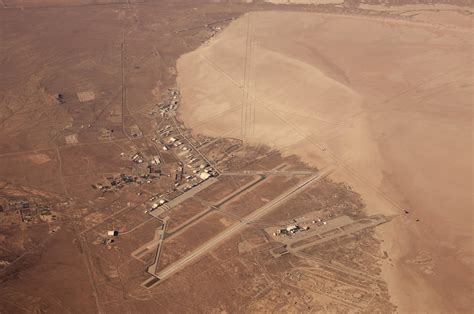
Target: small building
[[292, 228], [112, 233], [204, 175]]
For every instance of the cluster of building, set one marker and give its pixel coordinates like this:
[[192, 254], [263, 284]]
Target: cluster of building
[[144, 170], [25, 211], [171, 103], [191, 168], [110, 238], [190, 171], [296, 228], [289, 230]]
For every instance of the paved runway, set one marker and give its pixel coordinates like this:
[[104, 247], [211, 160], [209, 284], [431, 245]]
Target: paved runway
[[211, 244]]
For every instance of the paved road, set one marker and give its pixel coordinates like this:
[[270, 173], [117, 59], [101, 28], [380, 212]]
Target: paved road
[[183, 197], [194, 147], [152, 268], [269, 172], [199, 216], [344, 230], [166, 273]]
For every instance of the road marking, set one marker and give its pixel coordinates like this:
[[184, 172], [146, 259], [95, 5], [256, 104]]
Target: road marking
[[166, 273]]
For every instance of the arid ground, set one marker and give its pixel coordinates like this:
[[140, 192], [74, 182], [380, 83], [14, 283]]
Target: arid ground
[[388, 101], [348, 123]]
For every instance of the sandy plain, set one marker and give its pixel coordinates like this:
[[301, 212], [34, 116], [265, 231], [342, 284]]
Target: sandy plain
[[48, 149], [389, 102]]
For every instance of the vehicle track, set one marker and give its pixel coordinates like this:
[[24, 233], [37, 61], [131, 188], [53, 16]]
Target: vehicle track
[[211, 244]]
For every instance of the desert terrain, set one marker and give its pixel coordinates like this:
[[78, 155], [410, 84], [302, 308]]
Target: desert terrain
[[389, 102], [235, 156]]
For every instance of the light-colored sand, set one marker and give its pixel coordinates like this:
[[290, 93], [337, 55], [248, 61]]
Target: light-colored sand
[[298, 1], [437, 14], [389, 102], [304, 1]]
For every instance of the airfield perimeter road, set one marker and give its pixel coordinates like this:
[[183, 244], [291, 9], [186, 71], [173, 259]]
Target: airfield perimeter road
[[269, 172], [176, 125], [166, 273]]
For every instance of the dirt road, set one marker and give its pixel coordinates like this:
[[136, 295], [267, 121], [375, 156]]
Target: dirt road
[[168, 272], [389, 100]]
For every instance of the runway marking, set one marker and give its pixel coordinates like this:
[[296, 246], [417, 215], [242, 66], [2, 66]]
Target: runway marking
[[166, 273]]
